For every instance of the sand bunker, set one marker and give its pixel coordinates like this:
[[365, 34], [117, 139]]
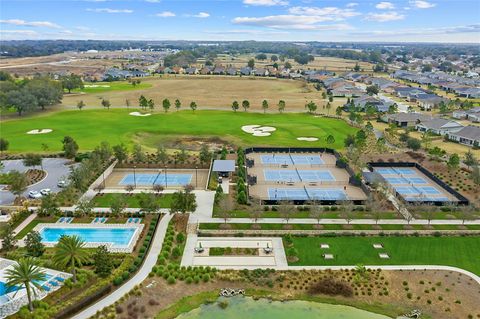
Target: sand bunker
[[257, 130], [307, 139], [96, 86], [139, 114], [40, 131]]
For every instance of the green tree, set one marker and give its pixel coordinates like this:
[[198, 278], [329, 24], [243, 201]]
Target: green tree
[[470, 159], [4, 144], [453, 161], [205, 154], [264, 106], [22, 100], [8, 241], [161, 155], [118, 205], [183, 201], [330, 139], [328, 107], [33, 244], [288, 65], [83, 208], [148, 202], [281, 106], [70, 147], [414, 144], [393, 108], [338, 111], [138, 154], [70, 252], [80, 104], [120, 152], [476, 175], [102, 260], [71, 82], [32, 159], [193, 106], [245, 105], [178, 104], [311, 107], [166, 105], [49, 206], [235, 106], [142, 102], [46, 91], [18, 182], [274, 58], [25, 273], [251, 63], [372, 90], [151, 104]]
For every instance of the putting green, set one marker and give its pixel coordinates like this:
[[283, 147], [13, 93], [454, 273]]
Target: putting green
[[101, 87], [90, 127]]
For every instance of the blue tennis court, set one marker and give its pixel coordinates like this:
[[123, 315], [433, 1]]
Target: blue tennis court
[[395, 171], [158, 179], [427, 199], [316, 176], [405, 180], [287, 194], [281, 175], [326, 194], [291, 159], [430, 190], [419, 190]]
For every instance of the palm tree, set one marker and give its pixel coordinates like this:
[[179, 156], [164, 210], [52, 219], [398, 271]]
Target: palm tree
[[70, 252], [25, 272]]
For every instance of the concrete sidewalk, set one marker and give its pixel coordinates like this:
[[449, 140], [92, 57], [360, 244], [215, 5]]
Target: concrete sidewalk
[[140, 276]]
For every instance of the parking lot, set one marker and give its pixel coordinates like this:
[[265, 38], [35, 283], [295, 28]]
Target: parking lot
[[56, 171]]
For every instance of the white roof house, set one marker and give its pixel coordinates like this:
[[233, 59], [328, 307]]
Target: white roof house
[[439, 126], [469, 135]]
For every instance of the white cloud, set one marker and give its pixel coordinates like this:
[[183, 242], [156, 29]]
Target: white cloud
[[384, 5], [201, 15], [109, 10], [29, 32], [384, 17], [420, 4], [472, 28], [351, 4], [165, 14], [18, 22], [327, 13], [266, 3], [152, 1], [290, 22]]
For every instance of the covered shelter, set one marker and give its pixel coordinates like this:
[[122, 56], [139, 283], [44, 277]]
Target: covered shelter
[[223, 167]]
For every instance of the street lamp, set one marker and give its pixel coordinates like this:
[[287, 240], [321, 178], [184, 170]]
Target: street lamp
[[134, 176], [166, 183], [196, 176]]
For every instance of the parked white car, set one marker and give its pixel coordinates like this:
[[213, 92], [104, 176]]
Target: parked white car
[[45, 191], [34, 194], [62, 184]]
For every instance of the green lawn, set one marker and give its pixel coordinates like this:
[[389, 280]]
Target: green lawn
[[449, 251], [105, 200], [101, 87], [90, 127], [303, 214]]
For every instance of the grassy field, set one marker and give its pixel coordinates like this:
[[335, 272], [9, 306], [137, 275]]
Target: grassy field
[[209, 92], [102, 87], [90, 127], [105, 200], [448, 251]]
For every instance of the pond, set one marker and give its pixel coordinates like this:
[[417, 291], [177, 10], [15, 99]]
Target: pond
[[244, 307]]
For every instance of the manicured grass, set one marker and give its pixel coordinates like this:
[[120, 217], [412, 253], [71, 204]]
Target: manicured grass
[[32, 224], [105, 200], [449, 251], [101, 87], [89, 127], [187, 304]]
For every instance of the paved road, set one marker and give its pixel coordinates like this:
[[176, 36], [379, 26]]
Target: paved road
[[56, 171], [140, 276]]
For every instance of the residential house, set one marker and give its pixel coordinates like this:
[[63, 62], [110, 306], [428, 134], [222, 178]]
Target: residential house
[[364, 100], [246, 71], [260, 72], [472, 114], [439, 126], [219, 70], [469, 135], [178, 70], [468, 92], [232, 71], [428, 101], [191, 71], [206, 70], [405, 119]]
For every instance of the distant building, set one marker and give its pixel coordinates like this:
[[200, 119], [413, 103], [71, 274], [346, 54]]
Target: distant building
[[469, 135], [439, 126], [406, 119]]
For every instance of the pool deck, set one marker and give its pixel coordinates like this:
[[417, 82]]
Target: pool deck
[[110, 246]]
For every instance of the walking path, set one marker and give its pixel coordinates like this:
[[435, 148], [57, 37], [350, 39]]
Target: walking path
[[338, 221], [24, 224], [140, 276]]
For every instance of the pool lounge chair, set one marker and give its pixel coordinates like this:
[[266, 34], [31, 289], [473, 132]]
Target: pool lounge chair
[[138, 220], [46, 288], [95, 220], [60, 220], [129, 220], [103, 220], [59, 279], [68, 220]]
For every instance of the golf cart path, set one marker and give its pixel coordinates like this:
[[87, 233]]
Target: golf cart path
[[140, 276]]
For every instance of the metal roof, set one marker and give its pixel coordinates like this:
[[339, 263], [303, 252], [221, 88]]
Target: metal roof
[[223, 166]]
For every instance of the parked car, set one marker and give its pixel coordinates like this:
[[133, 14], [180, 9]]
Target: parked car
[[45, 191], [220, 179], [34, 194], [62, 184]]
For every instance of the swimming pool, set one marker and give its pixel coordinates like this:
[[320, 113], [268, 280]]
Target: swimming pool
[[118, 237]]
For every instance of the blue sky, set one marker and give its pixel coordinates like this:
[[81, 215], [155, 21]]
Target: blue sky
[[275, 20]]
